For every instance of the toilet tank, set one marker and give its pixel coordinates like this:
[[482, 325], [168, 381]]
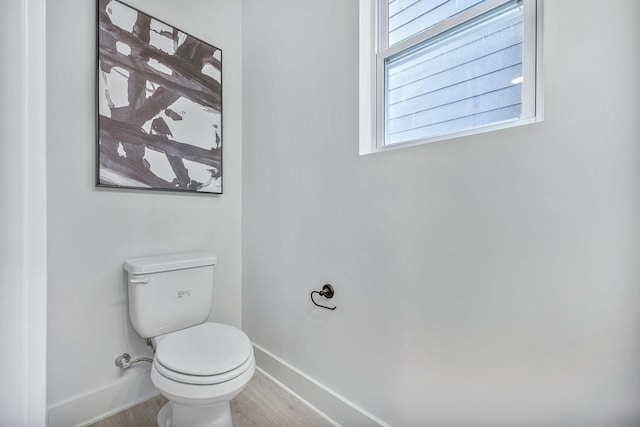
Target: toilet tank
[[169, 292]]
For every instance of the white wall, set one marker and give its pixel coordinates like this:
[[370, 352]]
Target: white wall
[[488, 280], [92, 231], [23, 285]]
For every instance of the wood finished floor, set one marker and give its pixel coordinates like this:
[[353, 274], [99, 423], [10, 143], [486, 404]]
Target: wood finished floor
[[261, 404]]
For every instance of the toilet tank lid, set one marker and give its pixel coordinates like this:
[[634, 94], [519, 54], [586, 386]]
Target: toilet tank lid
[[155, 264]]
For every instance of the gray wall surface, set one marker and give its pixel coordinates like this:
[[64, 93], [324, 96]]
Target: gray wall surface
[[483, 281], [93, 231]]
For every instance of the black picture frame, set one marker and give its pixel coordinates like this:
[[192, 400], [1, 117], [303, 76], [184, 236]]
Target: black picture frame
[[158, 104]]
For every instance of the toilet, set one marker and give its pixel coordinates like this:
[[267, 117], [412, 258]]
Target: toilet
[[198, 366]]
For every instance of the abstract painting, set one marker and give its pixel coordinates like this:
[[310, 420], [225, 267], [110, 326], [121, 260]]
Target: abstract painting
[[159, 104]]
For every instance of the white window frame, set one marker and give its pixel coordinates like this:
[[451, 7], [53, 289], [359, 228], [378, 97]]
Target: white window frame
[[374, 52]]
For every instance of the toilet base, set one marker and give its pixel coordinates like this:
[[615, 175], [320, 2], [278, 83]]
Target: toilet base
[[175, 415]]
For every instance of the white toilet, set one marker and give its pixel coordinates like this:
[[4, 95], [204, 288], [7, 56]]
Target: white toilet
[[199, 366]]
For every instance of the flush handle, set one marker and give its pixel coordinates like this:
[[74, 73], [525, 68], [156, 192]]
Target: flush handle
[[140, 281]]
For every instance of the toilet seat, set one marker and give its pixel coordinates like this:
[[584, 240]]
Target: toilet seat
[[204, 379], [206, 354]]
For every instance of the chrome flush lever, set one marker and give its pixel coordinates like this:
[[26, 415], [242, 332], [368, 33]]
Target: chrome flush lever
[[140, 281]]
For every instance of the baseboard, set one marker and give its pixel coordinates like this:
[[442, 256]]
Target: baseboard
[[133, 388], [318, 396]]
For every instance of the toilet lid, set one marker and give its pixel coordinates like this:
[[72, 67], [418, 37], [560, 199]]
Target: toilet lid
[[207, 349]]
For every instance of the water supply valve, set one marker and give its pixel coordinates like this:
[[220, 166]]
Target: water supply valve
[[123, 361]]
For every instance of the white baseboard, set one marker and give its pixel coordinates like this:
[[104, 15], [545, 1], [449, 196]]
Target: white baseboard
[[327, 402], [133, 388]]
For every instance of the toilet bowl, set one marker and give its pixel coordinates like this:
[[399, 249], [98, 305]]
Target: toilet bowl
[[198, 366], [199, 370]]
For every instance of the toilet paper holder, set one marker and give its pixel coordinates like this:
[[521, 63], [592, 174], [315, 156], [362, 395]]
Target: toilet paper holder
[[327, 292]]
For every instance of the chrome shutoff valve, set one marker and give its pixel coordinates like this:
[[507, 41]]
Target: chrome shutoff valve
[[123, 361]]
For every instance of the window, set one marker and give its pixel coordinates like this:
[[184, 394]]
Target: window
[[437, 69]]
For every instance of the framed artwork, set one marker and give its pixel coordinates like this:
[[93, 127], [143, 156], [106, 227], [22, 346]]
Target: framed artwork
[[159, 104]]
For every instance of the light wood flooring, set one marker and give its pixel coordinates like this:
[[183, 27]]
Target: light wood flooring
[[261, 404]]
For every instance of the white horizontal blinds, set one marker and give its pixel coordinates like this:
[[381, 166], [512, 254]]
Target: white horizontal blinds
[[465, 78], [408, 17]]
